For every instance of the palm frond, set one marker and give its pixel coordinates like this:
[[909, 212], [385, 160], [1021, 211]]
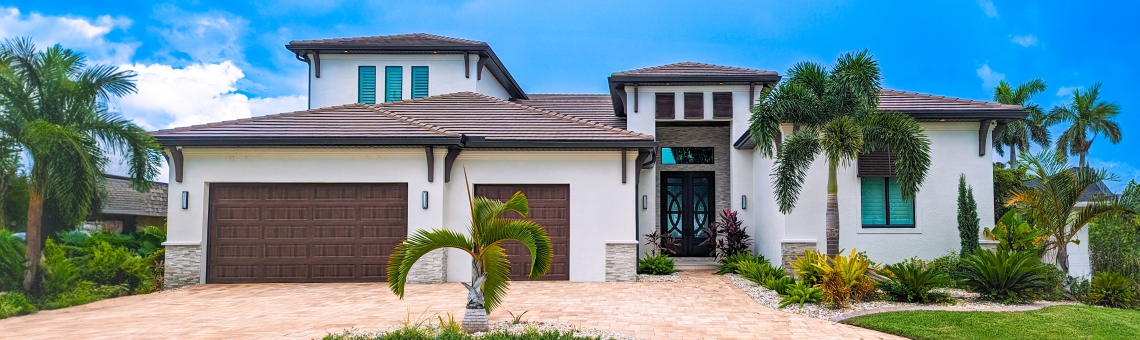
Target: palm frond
[[498, 271], [417, 245], [841, 140], [530, 234], [902, 135], [792, 164]]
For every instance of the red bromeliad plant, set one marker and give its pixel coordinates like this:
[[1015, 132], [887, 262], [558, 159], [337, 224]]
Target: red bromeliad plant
[[728, 235]]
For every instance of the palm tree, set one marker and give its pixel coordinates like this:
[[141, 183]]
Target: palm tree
[[1020, 133], [489, 266], [1088, 116], [1052, 199], [54, 109], [835, 112]]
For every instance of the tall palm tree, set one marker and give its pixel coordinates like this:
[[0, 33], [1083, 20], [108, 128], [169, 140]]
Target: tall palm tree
[[1020, 133], [835, 112], [1087, 116], [1052, 199], [53, 108], [489, 266]]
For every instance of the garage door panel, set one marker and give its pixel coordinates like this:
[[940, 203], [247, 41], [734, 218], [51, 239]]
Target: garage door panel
[[549, 206]]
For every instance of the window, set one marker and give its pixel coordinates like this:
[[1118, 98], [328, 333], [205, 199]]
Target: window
[[419, 81], [694, 105], [665, 106], [686, 155], [722, 104], [393, 83], [883, 205], [366, 83]]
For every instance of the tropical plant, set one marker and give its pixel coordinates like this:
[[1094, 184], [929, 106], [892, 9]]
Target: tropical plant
[[732, 263], [53, 108], [1014, 233], [109, 265], [1112, 290], [805, 268], [835, 113], [1054, 289], [779, 284], [1077, 289], [1054, 203], [968, 220], [11, 261], [801, 294], [656, 264], [60, 272], [951, 266], [15, 303], [489, 265], [845, 278], [661, 243], [1005, 182], [760, 273], [1004, 276], [913, 280], [1114, 246], [1020, 133], [728, 236], [1086, 115]]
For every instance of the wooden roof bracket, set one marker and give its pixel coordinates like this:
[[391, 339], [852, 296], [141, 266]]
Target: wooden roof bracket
[[317, 63], [176, 160], [448, 162], [479, 67], [635, 97], [430, 163], [624, 170], [983, 129], [467, 65], [644, 156], [998, 130], [751, 95]]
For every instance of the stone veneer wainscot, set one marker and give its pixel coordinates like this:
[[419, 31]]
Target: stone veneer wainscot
[[183, 266], [621, 261]]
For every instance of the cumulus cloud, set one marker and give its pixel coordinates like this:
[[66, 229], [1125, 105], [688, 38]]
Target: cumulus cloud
[[1067, 91], [200, 37], [1125, 172], [72, 32], [1024, 40], [989, 77], [988, 6]]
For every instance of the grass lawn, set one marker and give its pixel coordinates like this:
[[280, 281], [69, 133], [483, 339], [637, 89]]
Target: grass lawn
[[1057, 322]]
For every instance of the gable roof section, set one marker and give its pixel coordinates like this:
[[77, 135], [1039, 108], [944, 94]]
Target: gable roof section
[[123, 200], [414, 43], [932, 107], [687, 73], [688, 68], [593, 107]]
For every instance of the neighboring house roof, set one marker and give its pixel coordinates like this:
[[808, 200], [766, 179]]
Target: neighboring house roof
[[123, 200], [593, 107], [415, 43], [1096, 190], [927, 106]]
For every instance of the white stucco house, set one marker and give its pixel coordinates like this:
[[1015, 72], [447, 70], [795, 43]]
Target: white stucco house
[[396, 123]]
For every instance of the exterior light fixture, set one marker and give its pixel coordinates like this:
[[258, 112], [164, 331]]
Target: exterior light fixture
[[743, 201], [185, 200], [424, 199], [644, 201]]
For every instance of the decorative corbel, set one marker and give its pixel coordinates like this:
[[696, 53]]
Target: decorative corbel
[[623, 166], [448, 162], [983, 129], [176, 159], [430, 163], [317, 63], [479, 67], [467, 65]]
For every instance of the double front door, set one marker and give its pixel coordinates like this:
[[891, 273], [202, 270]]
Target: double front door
[[687, 199]]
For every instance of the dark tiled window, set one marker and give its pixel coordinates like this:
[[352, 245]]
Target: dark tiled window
[[722, 104], [687, 156], [665, 105]]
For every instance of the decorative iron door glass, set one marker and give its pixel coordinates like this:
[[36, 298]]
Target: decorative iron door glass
[[687, 209]]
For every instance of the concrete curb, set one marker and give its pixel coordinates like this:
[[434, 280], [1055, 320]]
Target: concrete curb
[[1019, 308]]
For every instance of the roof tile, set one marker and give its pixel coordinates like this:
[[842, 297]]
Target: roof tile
[[689, 68], [903, 101], [413, 39]]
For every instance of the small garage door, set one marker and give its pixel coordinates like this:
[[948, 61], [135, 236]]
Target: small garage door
[[300, 232], [550, 208]]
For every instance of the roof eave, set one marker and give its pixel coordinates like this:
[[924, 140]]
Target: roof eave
[[216, 141], [965, 115], [563, 144], [618, 82]]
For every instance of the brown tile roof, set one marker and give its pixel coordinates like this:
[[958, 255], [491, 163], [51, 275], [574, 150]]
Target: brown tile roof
[[413, 39], [593, 107], [689, 68], [123, 200], [353, 120], [903, 101]]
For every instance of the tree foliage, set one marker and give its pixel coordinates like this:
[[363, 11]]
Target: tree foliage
[[1089, 118], [1019, 134], [968, 221]]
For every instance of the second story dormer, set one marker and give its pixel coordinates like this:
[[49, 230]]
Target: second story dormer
[[373, 70]]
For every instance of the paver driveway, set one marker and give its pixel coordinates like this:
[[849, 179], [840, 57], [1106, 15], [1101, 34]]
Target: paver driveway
[[702, 306]]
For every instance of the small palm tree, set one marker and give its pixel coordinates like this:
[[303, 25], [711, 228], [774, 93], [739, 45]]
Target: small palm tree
[[835, 112], [1052, 200], [1087, 116], [1020, 133], [53, 108], [490, 269]]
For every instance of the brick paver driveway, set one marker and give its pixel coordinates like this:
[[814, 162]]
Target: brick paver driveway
[[702, 306]]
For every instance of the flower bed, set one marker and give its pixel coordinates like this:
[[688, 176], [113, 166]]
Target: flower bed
[[522, 330]]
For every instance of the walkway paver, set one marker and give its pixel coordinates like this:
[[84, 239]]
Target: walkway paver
[[702, 306]]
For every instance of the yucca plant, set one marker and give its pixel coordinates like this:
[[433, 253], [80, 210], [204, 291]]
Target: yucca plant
[[913, 280], [801, 294], [489, 265], [731, 263], [1002, 276], [1112, 290], [805, 269]]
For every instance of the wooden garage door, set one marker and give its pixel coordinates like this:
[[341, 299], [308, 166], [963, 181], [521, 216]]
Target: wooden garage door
[[550, 208], [300, 232]]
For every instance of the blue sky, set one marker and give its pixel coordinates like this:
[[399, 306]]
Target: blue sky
[[202, 61]]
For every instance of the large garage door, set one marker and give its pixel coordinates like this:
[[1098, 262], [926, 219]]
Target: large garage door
[[300, 232], [550, 208]]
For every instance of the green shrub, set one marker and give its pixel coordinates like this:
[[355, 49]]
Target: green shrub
[[60, 274], [1007, 277], [150, 240], [800, 294], [83, 292], [759, 273], [1077, 289], [110, 265], [657, 264], [779, 285], [11, 261], [1112, 290], [951, 265], [805, 268], [13, 304], [913, 281], [1054, 289], [845, 278], [731, 263]]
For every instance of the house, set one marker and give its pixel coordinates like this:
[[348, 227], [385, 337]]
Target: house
[[1080, 257], [124, 209], [399, 125]]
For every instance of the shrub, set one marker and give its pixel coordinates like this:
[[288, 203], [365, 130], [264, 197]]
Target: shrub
[[1007, 277], [805, 269], [760, 273], [728, 236], [83, 292], [60, 274], [779, 285], [110, 265], [967, 217], [1014, 233], [656, 264], [912, 281], [951, 265], [11, 261], [845, 278], [729, 264], [1114, 246], [1112, 290], [150, 240], [800, 294], [1077, 289], [13, 304], [1054, 289]]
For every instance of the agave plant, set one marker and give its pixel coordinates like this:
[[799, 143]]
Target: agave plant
[[490, 269], [1014, 233]]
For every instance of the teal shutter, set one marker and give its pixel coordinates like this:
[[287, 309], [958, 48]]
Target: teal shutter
[[393, 83], [873, 200], [902, 211], [366, 83], [419, 81]]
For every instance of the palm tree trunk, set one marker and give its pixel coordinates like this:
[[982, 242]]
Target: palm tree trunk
[[475, 318], [1063, 256], [34, 240], [832, 221], [1012, 157]]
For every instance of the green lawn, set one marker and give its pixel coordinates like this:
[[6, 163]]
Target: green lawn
[[1057, 322]]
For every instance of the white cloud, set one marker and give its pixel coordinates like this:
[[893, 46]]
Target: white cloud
[[1024, 40], [274, 105], [989, 77], [1067, 91], [988, 6], [201, 37], [1124, 171], [77, 33]]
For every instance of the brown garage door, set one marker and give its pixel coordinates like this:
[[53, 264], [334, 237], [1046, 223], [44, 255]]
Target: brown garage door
[[300, 232], [550, 208]]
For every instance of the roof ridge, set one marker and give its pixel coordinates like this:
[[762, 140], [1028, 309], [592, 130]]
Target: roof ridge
[[687, 62], [401, 35], [955, 99], [553, 114], [254, 119], [412, 121]]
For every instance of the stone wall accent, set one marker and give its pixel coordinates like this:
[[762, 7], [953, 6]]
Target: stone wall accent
[[621, 262], [717, 137], [431, 268], [183, 266], [789, 251]]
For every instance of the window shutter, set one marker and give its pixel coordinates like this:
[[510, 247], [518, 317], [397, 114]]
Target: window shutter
[[393, 83], [880, 163], [419, 81], [902, 211], [665, 106], [366, 85], [722, 104], [694, 105], [873, 201]]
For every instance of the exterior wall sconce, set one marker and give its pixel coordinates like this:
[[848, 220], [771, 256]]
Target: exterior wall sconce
[[424, 199], [185, 200], [743, 201], [644, 202]]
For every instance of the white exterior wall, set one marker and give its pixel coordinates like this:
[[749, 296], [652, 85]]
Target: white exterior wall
[[338, 84]]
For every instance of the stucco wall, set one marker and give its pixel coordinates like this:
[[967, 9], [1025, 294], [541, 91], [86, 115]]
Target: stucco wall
[[338, 83]]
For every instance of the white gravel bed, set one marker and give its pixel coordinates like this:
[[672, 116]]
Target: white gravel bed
[[518, 328], [770, 299], [658, 278]]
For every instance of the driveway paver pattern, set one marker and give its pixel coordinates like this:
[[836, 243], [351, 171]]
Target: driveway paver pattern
[[701, 306]]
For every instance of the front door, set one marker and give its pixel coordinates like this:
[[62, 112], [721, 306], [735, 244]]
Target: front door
[[686, 209]]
